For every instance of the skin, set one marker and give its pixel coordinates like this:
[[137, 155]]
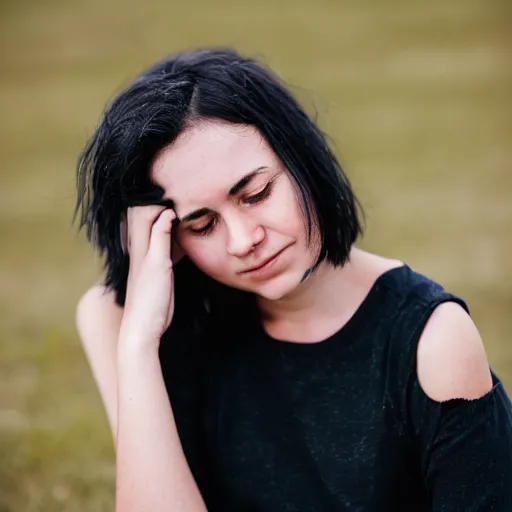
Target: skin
[[198, 172], [246, 227]]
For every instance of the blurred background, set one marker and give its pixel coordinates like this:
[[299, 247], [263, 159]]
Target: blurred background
[[416, 97]]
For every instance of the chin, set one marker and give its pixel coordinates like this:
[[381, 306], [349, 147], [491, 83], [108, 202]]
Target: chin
[[279, 287]]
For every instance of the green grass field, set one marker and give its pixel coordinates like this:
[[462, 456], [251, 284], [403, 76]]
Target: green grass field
[[416, 97]]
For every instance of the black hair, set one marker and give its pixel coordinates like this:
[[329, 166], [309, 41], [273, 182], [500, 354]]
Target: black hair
[[114, 168]]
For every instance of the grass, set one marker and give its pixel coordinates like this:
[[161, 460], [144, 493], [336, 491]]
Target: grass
[[415, 97]]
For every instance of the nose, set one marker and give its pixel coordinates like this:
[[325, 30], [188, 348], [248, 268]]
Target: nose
[[244, 235]]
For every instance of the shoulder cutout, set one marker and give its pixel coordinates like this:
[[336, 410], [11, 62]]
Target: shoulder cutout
[[451, 359]]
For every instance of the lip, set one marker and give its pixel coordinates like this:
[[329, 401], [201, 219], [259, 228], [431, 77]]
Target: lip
[[265, 265]]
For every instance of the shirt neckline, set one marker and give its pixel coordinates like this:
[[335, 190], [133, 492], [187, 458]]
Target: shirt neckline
[[346, 331]]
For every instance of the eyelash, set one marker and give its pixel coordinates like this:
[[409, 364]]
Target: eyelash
[[204, 230], [249, 200], [259, 196]]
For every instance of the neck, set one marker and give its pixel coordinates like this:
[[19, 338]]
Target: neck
[[315, 294], [328, 297]]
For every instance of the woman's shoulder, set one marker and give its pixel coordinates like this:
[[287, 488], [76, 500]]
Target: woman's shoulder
[[406, 285], [97, 303], [435, 337], [414, 291], [451, 360]]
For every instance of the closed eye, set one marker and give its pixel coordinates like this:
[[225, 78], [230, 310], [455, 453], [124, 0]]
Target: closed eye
[[259, 196], [204, 230], [253, 199]]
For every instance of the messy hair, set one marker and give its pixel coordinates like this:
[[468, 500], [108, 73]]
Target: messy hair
[[209, 84]]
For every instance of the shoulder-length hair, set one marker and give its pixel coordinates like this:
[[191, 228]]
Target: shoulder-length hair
[[114, 168]]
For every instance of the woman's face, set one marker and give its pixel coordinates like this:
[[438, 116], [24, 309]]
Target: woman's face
[[240, 220]]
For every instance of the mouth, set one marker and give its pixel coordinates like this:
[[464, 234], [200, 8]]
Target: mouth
[[264, 264]]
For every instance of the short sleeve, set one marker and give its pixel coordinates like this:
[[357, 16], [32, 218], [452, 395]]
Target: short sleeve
[[463, 447], [465, 450]]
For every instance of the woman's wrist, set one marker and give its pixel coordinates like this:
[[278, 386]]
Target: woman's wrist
[[133, 345]]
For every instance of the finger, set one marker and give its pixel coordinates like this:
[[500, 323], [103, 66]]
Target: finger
[[140, 222], [160, 243]]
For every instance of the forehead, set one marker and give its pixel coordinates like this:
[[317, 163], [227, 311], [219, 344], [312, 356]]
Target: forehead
[[207, 159]]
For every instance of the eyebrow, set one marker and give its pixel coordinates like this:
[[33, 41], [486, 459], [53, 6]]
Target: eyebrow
[[233, 191]]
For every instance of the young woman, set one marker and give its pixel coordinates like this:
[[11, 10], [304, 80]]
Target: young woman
[[249, 355]]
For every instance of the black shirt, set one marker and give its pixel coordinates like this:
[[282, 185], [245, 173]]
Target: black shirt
[[339, 425]]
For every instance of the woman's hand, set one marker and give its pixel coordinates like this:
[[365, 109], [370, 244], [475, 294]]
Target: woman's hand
[[149, 305], [152, 472]]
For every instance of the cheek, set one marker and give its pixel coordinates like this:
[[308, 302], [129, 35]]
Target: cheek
[[287, 217], [208, 257], [284, 213]]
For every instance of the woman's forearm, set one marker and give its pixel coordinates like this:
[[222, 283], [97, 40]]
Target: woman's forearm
[[152, 472]]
